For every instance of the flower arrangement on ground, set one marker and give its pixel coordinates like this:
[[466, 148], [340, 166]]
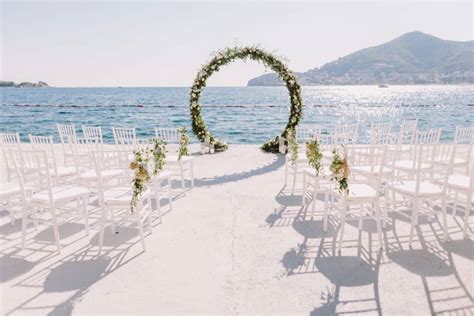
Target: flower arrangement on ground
[[226, 56]]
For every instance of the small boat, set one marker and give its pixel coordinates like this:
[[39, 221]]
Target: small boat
[[383, 86]]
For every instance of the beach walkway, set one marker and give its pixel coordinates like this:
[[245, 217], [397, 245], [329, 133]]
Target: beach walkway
[[238, 243]]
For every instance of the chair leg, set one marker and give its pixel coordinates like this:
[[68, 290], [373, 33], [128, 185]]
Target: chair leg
[[170, 196], [150, 227], [379, 226], [414, 220], [385, 208], [140, 227], [326, 213], [182, 176], [103, 219], [191, 169], [303, 196], [10, 212], [455, 210], [315, 195], [86, 213], [55, 228], [35, 218], [467, 212], [294, 177], [24, 227], [445, 219], [343, 223]]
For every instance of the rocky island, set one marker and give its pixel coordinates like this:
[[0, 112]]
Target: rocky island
[[413, 58], [11, 84]]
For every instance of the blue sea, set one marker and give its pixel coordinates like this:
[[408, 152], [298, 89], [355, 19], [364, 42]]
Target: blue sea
[[237, 115]]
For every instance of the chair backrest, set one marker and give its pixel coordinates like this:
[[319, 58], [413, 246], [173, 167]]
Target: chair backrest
[[306, 133], [381, 128], [67, 133], [464, 135], [169, 135], [407, 132], [32, 168], [409, 126], [124, 136], [8, 141], [46, 144], [346, 134], [92, 133], [425, 152], [383, 138], [428, 137], [372, 156], [110, 160]]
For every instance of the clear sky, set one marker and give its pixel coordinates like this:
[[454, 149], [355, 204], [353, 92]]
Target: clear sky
[[163, 44]]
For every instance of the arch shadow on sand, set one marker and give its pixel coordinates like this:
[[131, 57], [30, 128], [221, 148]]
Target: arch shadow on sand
[[278, 162]]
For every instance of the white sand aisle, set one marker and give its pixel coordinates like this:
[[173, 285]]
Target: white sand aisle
[[238, 243]]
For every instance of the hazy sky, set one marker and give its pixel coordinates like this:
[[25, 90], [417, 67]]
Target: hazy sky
[[163, 44]]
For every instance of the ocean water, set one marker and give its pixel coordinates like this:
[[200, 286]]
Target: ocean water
[[237, 115]]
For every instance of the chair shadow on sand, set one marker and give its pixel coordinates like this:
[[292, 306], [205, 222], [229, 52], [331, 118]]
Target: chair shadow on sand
[[75, 273], [434, 259]]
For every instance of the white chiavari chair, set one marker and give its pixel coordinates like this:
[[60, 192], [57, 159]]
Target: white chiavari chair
[[61, 201], [7, 141], [464, 137], [345, 134], [362, 200], [462, 185], [125, 136], [408, 167], [67, 134], [421, 192], [177, 167], [93, 133], [379, 132], [408, 131], [59, 173], [115, 194]]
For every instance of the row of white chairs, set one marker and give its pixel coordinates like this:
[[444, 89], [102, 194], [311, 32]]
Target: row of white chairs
[[41, 182], [426, 173], [380, 132]]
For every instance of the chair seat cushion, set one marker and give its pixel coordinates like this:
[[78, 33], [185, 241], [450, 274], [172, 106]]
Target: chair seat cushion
[[409, 187], [459, 181], [121, 195], [8, 190], [92, 175], [60, 193], [375, 169], [408, 165], [63, 171], [361, 191]]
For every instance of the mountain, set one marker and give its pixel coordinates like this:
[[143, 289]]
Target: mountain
[[413, 58], [40, 84]]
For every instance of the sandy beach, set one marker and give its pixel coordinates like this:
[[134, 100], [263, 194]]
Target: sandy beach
[[238, 243]]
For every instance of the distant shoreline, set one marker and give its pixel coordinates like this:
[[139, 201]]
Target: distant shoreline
[[251, 87]]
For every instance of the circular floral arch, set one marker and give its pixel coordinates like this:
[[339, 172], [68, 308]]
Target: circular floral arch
[[224, 57]]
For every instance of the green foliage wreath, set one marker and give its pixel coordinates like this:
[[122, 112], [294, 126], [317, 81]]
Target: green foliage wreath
[[224, 57]]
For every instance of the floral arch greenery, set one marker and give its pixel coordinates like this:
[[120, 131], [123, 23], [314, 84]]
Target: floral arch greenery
[[226, 56]]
